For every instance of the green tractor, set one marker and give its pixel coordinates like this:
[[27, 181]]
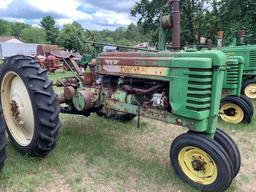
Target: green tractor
[[181, 88], [248, 52], [235, 107]]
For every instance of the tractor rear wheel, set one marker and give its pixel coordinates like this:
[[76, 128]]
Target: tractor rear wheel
[[230, 147], [2, 144], [249, 88], [235, 110], [30, 108], [201, 162]]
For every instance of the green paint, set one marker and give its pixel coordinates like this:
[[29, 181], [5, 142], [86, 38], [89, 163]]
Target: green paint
[[79, 102], [248, 52], [234, 75], [161, 38]]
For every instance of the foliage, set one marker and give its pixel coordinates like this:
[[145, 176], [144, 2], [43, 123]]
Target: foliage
[[193, 15], [17, 28], [49, 25], [33, 35], [72, 37], [200, 18], [5, 27]]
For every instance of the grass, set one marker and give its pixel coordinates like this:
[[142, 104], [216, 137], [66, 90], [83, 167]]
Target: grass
[[95, 154]]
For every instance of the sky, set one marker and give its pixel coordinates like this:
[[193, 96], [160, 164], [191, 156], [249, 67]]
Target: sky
[[91, 14]]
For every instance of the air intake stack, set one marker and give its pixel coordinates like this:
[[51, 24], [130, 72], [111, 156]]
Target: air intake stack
[[170, 22]]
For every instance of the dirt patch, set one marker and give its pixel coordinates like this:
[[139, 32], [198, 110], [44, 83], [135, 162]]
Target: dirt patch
[[154, 142], [58, 183]]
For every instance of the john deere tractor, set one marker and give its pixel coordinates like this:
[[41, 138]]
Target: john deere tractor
[[235, 107], [182, 89], [248, 52]]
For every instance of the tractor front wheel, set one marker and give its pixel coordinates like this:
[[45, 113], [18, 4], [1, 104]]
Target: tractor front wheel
[[30, 109], [249, 88], [235, 110], [201, 162]]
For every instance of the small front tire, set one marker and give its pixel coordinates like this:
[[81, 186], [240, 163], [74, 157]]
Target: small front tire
[[235, 110], [201, 162], [249, 88]]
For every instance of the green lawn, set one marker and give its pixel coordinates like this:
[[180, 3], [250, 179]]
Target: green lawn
[[95, 154]]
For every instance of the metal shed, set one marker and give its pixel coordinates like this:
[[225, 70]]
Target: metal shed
[[10, 49]]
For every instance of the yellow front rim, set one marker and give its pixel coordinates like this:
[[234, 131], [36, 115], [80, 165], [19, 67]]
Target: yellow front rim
[[250, 91], [231, 113], [17, 108], [198, 165]]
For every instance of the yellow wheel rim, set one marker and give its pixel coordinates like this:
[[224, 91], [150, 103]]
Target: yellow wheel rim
[[250, 91], [231, 113], [198, 165], [17, 108]]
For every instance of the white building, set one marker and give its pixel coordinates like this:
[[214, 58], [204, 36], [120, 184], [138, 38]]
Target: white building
[[9, 39], [10, 46]]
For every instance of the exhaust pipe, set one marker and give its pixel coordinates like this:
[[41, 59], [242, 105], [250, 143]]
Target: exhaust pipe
[[170, 22], [175, 11]]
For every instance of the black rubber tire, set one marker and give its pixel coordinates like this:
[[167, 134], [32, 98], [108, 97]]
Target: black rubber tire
[[123, 117], [245, 84], [242, 104], [126, 117], [249, 103], [231, 148], [2, 143], [44, 103], [211, 147]]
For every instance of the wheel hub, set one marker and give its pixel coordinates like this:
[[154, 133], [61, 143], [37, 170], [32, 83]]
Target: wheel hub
[[17, 109], [198, 163], [230, 112]]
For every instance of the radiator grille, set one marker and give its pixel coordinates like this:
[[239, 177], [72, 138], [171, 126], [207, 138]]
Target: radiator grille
[[199, 89], [232, 76], [253, 58]]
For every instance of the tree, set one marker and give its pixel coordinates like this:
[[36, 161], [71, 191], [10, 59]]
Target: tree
[[33, 35], [237, 14], [5, 27], [17, 28], [192, 14], [72, 37], [49, 25]]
